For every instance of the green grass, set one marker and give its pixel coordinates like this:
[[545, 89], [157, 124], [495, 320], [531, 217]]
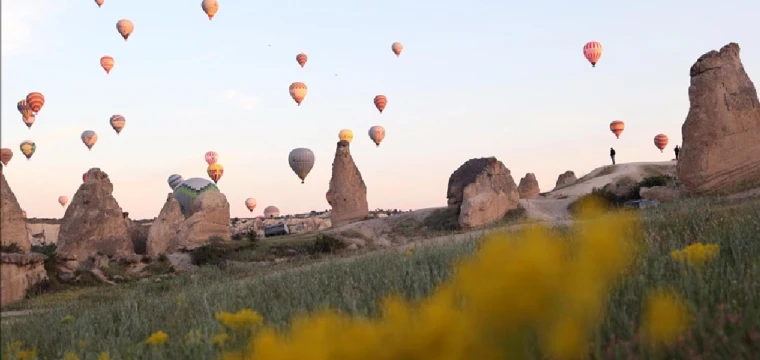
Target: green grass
[[725, 298]]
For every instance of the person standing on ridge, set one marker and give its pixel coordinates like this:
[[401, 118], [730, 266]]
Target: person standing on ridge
[[677, 150], [612, 155]]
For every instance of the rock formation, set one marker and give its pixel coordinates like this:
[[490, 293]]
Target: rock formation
[[659, 193], [12, 222], [528, 187], [18, 274], [210, 218], [164, 228], [483, 190], [720, 153], [566, 178], [93, 222], [347, 189]]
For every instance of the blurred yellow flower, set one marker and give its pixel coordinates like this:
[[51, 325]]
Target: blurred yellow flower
[[82, 344], [28, 354], [220, 339], [104, 356], [158, 338], [68, 319], [70, 356], [410, 250], [241, 320], [696, 255], [665, 318]]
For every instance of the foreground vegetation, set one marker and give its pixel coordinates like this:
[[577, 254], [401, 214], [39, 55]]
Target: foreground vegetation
[[614, 288]]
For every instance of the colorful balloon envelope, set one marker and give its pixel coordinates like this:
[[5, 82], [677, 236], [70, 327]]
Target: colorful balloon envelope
[[592, 51], [35, 101], [301, 161], [99, 2], [377, 134], [28, 147], [6, 155], [174, 180], [250, 203], [117, 123], [89, 138], [63, 200], [661, 141], [301, 59], [210, 7], [125, 28], [380, 102], [215, 172], [397, 47], [24, 108], [29, 120], [346, 135], [298, 92], [617, 127], [107, 63], [211, 157]]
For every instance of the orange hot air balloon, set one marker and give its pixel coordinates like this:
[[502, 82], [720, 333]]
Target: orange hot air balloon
[[592, 51], [125, 28], [35, 101], [210, 7], [380, 102], [99, 2], [6, 155], [215, 172], [107, 63], [617, 127], [397, 47], [298, 91], [301, 59], [661, 141]]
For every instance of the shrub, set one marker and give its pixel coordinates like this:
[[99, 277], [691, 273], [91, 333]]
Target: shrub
[[209, 255], [12, 248], [327, 244], [443, 220]]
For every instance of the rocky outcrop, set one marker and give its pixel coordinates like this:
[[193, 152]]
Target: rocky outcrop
[[93, 222], [659, 193], [295, 225], [483, 190], [18, 274], [12, 222], [720, 152], [164, 228], [210, 218], [528, 187], [347, 188], [566, 178]]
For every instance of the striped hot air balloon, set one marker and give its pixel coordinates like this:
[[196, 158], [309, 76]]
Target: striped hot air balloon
[[28, 147], [215, 172], [592, 51], [211, 157], [189, 190], [377, 134], [210, 7], [301, 161], [174, 180], [301, 59], [6, 155], [250, 203], [397, 47], [89, 138], [24, 109], [107, 63], [346, 135], [617, 127], [35, 101], [298, 92], [380, 102], [125, 28], [117, 123], [661, 141]]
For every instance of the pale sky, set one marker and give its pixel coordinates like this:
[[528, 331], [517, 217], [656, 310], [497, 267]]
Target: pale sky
[[476, 78]]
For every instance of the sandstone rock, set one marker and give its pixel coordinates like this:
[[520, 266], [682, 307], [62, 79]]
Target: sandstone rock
[[483, 190], [12, 222], [659, 193], [528, 187], [182, 262], [93, 222], [18, 274], [349, 193], [720, 153], [164, 228], [566, 178], [210, 218]]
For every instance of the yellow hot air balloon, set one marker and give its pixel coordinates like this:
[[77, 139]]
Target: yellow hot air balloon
[[250, 203], [210, 7], [63, 200], [89, 138], [215, 172], [377, 134], [346, 134], [298, 91], [125, 28]]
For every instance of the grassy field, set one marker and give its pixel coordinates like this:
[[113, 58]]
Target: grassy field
[[723, 298]]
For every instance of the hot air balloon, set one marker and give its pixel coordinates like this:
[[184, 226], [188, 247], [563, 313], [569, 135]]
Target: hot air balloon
[[89, 138], [592, 51], [28, 147], [397, 47], [85, 177], [35, 101], [301, 59], [24, 109], [189, 190], [301, 160], [117, 123], [212, 157], [99, 2], [346, 135], [215, 172], [125, 28], [107, 63], [380, 102], [63, 200], [271, 212], [210, 7], [6, 155], [328, 196], [250, 203], [617, 127], [298, 91], [174, 180], [29, 120], [661, 141], [377, 134]]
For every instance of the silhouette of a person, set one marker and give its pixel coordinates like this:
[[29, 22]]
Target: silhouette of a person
[[612, 155], [677, 150]]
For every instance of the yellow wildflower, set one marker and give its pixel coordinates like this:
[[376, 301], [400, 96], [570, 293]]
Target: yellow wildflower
[[696, 255], [220, 339], [28, 354], [410, 251], [70, 356], [68, 319], [158, 338], [15, 346], [665, 318], [104, 356], [241, 320]]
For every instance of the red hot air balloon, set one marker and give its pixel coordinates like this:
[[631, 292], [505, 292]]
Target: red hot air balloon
[[617, 128], [301, 59], [592, 51], [107, 63], [380, 102], [661, 141], [35, 101]]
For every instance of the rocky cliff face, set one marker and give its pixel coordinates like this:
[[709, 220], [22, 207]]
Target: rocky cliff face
[[12, 222], [18, 274], [483, 190], [210, 218], [165, 227], [347, 189], [720, 153]]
